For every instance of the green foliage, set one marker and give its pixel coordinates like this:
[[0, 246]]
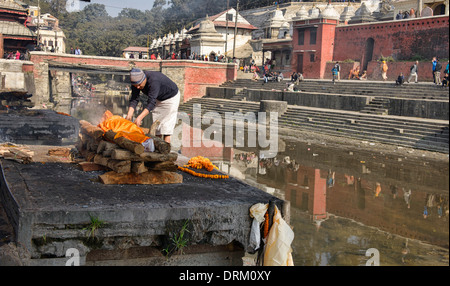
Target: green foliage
[[178, 241], [386, 59], [94, 225]]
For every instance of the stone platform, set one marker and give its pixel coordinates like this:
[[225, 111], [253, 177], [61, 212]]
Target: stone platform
[[38, 127], [52, 205]]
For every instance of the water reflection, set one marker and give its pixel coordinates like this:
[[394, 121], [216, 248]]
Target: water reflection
[[345, 202]]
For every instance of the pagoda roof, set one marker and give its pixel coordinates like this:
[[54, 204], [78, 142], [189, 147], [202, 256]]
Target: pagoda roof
[[11, 29]]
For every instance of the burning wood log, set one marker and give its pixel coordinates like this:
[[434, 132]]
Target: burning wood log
[[162, 166], [105, 148], [120, 154], [125, 143], [91, 130], [147, 178], [119, 166], [18, 103]]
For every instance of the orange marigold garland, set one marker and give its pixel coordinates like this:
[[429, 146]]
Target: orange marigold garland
[[200, 162]]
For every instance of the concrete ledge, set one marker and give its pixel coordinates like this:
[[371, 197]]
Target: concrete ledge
[[50, 206]]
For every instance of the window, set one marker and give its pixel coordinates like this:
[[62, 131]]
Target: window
[[301, 37], [312, 57], [313, 36]]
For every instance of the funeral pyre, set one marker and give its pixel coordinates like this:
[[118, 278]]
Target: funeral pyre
[[15, 100], [128, 161]]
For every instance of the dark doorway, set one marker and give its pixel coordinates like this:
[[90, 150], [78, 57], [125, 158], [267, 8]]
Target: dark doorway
[[439, 10], [370, 43], [300, 63]]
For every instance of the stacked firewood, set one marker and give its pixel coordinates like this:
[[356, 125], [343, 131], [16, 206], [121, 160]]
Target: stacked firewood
[[15, 100], [128, 161], [18, 153]]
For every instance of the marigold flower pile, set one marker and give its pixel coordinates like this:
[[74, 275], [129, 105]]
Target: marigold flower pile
[[200, 162]]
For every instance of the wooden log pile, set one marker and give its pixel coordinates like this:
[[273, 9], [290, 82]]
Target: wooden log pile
[[15, 100], [128, 161], [16, 153]]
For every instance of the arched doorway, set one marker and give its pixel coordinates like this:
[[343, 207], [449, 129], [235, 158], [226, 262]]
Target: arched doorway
[[439, 10], [368, 55]]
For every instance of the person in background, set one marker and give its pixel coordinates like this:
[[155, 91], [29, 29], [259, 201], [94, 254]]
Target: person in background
[[433, 61], [338, 68], [384, 69], [334, 73], [413, 72], [400, 79], [437, 72]]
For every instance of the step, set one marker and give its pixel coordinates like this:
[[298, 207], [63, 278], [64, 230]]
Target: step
[[361, 126], [383, 138], [302, 117]]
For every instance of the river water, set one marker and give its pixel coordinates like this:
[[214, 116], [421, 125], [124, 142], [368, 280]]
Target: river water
[[344, 203]]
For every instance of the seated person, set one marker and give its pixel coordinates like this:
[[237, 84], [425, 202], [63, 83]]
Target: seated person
[[294, 77], [445, 80], [255, 75], [363, 76], [400, 80], [354, 73]]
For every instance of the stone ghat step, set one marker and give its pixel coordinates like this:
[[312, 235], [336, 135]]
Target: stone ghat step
[[415, 133], [390, 130], [226, 105], [385, 130], [373, 89], [415, 130], [382, 138], [349, 84], [384, 92]]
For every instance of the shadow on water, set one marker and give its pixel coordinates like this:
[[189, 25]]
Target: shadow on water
[[343, 202]]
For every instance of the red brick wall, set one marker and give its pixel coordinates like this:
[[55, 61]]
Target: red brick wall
[[1, 45], [327, 37], [400, 39]]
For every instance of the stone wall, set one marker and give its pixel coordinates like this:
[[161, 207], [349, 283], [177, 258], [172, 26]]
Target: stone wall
[[426, 108], [401, 39], [192, 77], [16, 75], [422, 108]]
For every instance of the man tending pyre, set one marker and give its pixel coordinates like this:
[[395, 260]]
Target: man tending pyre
[[160, 96]]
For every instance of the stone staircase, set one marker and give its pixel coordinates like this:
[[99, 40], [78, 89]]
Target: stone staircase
[[352, 87], [377, 105], [426, 134]]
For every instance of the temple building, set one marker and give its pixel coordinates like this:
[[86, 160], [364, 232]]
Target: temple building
[[207, 41], [14, 33], [305, 36], [46, 26]]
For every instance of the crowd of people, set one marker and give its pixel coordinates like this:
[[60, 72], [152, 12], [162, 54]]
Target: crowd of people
[[438, 78], [405, 14], [76, 51], [436, 73], [15, 55]]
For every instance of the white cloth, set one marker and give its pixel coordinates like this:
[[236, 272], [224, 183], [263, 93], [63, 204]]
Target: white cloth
[[166, 112]]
